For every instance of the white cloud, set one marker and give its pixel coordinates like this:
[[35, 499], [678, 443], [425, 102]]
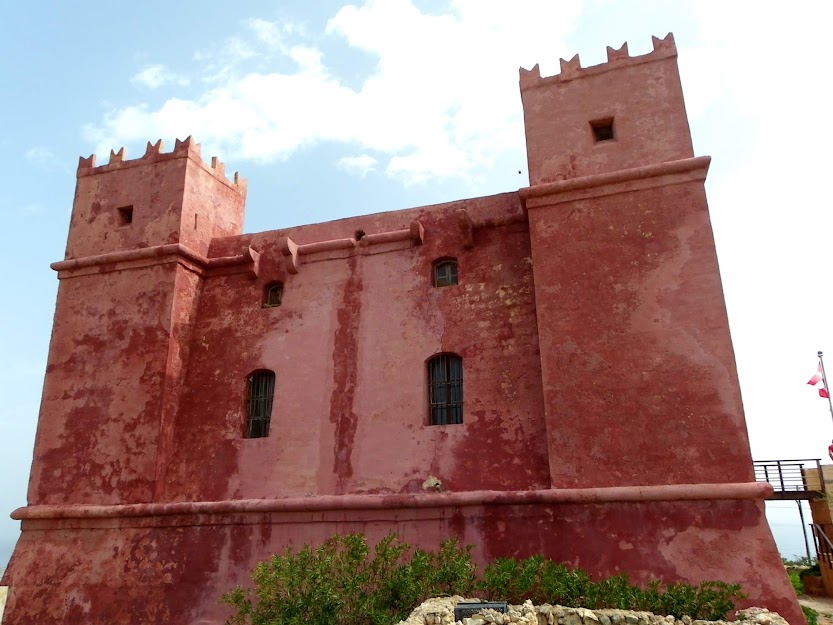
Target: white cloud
[[441, 101], [156, 76], [266, 32], [40, 156], [31, 208], [769, 204], [275, 34], [361, 165], [759, 70]]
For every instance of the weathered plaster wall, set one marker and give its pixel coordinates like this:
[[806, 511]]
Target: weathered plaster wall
[[639, 374], [120, 574], [104, 388], [348, 346]]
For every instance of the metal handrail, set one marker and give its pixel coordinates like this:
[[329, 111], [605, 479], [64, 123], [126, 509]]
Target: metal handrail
[[818, 528], [789, 475], [791, 460]]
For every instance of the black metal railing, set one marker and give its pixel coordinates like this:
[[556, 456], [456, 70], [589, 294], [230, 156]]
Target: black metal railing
[[792, 479]]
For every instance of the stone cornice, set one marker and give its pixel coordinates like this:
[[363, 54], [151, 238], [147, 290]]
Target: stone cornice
[[610, 183], [291, 251], [324, 503], [247, 262]]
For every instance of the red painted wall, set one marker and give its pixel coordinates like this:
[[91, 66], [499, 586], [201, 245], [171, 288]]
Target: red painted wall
[[602, 417], [349, 345], [119, 573], [640, 383]]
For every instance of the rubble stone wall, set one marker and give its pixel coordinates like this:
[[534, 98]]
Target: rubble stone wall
[[440, 611]]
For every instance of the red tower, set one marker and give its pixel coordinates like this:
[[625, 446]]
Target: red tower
[[635, 344], [588, 410], [138, 233]]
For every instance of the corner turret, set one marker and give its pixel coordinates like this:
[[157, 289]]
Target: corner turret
[[136, 256], [594, 120], [158, 199]]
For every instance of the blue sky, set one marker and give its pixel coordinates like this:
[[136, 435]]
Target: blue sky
[[333, 110]]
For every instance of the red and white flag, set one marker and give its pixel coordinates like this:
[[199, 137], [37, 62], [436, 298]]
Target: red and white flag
[[819, 377]]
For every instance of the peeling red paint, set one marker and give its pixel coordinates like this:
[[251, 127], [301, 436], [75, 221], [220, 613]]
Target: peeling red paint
[[176, 574], [345, 367]]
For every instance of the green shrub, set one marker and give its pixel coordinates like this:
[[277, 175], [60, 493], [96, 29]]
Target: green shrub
[[814, 570], [343, 582], [810, 615], [545, 581], [339, 583], [795, 580], [710, 600]]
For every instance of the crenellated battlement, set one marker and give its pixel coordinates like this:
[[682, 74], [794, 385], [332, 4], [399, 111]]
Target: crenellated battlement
[[616, 58], [628, 112], [187, 148]]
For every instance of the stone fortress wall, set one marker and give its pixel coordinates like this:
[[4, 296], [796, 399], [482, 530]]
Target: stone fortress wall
[[602, 424]]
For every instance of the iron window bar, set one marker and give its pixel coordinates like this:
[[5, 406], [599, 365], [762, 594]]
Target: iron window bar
[[261, 394], [445, 273], [445, 389], [272, 295]]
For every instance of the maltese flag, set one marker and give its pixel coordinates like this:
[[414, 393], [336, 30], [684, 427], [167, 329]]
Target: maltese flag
[[819, 377]]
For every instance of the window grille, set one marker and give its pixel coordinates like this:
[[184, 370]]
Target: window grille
[[445, 389], [445, 273], [272, 295], [261, 393]]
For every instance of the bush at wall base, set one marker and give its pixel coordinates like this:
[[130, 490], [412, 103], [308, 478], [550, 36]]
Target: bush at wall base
[[345, 582]]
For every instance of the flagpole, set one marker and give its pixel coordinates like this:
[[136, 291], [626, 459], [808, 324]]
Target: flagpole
[[824, 377]]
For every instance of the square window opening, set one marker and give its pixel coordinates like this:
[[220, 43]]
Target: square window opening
[[125, 215], [273, 295], [602, 129], [445, 273]]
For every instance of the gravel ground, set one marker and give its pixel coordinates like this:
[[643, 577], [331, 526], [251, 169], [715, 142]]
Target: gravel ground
[[822, 605]]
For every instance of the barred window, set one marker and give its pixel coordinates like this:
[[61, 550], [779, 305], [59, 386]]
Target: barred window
[[445, 389], [445, 272], [272, 295], [261, 391]]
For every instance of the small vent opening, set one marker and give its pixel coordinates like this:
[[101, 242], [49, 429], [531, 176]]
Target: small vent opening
[[125, 215], [602, 129]]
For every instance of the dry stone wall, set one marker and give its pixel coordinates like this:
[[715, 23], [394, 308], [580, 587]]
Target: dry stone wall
[[440, 611]]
